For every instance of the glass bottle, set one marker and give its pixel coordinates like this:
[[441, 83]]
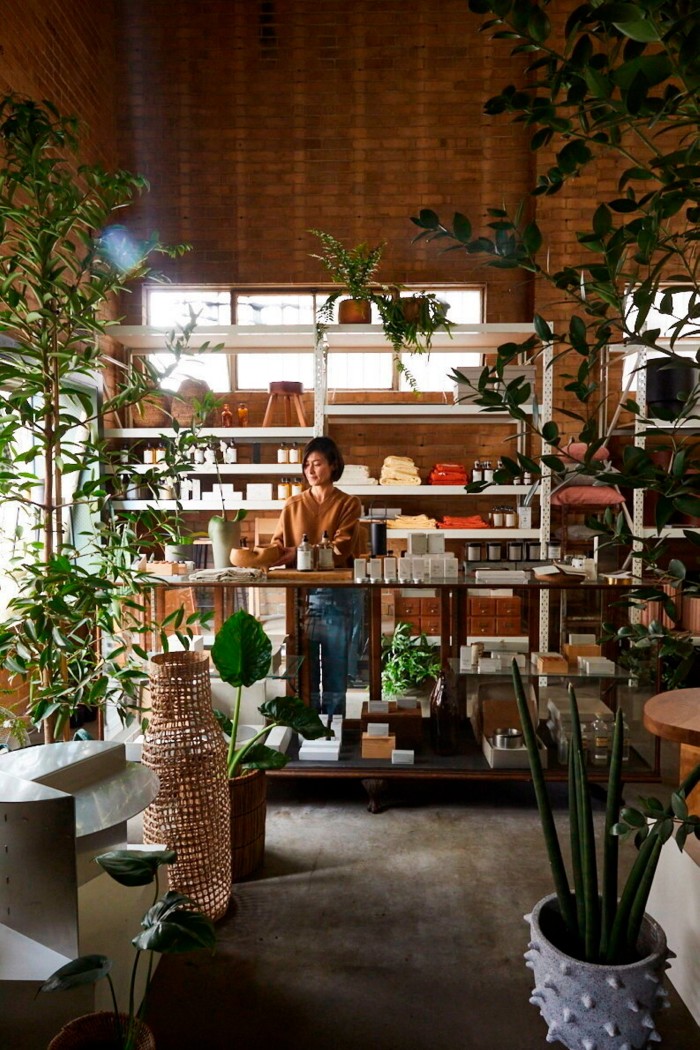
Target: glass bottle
[[325, 553], [297, 487], [444, 716], [294, 456], [477, 471], [226, 416], [283, 454], [488, 471], [242, 413], [305, 555], [600, 751]]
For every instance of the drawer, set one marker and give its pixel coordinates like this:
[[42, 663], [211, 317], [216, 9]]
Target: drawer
[[429, 606], [430, 624], [510, 606], [508, 625], [482, 606], [407, 608], [481, 625]]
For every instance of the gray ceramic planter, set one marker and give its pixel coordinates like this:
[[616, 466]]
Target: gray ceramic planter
[[589, 1006]]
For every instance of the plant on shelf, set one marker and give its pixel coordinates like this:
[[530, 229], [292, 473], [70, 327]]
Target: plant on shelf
[[72, 585], [408, 660], [242, 653], [594, 920], [610, 95], [409, 323], [170, 926], [352, 268]]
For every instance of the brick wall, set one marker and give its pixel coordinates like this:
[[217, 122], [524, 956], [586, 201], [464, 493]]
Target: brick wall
[[65, 52]]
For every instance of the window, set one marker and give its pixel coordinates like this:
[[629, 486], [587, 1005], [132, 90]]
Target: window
[[254, 371], [664, 322]]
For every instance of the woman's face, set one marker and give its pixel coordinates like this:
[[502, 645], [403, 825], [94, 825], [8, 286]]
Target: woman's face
[[317, 469]]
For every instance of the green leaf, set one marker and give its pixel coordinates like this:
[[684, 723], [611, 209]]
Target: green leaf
[[462, 228], [242, 651], [132, 867], [261, 757], [293, 712], [542, 328], [85, 970], [170, 928]]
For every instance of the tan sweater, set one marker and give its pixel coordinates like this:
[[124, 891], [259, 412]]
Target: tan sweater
[[338, 515]]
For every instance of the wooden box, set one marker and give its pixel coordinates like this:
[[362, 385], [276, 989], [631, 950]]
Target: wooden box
[[430, 607], [482, 606], [550, 663], [167, 568], [495, 708], [572, 653], [478, 626], [406, 723], [378, 746]]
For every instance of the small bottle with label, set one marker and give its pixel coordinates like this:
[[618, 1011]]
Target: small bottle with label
[[242, 413], [325, 553], [477, 471], [297, 487], [294, 454], [488, 471], [600, 752], [305, 555], [226, 416], [283, 454], [527, 478], [284, 488]]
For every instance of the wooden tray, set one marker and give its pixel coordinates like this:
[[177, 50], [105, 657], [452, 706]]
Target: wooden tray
[[310, 577]]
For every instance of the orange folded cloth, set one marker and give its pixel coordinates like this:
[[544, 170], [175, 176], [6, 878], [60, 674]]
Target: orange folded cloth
[[473, 522]]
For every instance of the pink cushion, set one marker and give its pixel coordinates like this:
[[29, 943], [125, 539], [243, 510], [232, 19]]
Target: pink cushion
[[587, 496], [575, 452]]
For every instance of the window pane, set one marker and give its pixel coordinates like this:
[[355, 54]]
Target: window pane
[[256, 371], [169, 306], [274, 309], [359, 371], [432, 371], [212, 368]]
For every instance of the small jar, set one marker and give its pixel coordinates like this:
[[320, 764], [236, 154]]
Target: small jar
[[554, 550], [515, 550], [493, 552], [283, 454], [473, 552], [534, 551], [497, 518], [242, 413], [477, 472], [511, 519], [284, 488], [488, 471]]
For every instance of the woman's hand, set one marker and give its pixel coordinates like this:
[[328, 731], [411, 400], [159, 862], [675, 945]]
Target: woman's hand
[[288, 556]]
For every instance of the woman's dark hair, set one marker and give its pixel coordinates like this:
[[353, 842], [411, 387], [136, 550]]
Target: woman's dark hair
[[328, 448]]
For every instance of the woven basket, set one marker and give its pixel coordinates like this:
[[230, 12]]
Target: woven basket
[[182, 407], [248, 810], [99, 1032], [185, 748]]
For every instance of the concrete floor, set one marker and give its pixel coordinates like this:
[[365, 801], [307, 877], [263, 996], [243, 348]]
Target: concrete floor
[[397, 931]]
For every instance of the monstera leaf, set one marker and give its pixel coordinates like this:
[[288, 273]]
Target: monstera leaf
[[242, 651]]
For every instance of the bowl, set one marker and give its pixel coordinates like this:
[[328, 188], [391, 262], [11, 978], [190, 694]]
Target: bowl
[[255, 558], [507, 738]]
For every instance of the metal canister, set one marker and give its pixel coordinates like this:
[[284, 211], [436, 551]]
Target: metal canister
[[515, 550], [473, 552], [494, 551]]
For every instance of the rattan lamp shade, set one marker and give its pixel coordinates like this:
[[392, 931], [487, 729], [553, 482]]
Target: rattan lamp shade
[[191, 813]]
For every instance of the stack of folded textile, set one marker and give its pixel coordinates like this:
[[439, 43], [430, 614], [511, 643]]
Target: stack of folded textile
[[448, 474], [412, 521], [357, 474], [453, 522], [399, 470]]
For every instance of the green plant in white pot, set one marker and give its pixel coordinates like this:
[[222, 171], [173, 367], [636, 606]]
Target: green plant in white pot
[[598, 959], [169, 926]]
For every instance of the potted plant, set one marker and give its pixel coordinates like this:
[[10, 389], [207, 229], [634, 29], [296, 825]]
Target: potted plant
[[72, 574], [354, 269], [169, 926], [408, 661], [242, 653], [410, 321], [598, 960]]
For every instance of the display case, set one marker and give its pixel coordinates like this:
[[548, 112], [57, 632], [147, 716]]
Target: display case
[[483, 686]]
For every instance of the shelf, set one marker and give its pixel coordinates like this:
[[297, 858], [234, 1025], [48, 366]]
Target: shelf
[[242, 435], [469, 338], [431, 490], [240, 469], [469, 534], [670, 532], [462, 413], [196, 504]]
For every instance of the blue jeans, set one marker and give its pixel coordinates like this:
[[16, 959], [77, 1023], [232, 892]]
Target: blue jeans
[[329, 622]]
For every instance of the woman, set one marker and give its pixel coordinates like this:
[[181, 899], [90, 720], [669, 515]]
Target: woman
[[324, 508]]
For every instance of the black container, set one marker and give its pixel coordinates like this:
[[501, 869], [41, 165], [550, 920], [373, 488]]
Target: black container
[[668, 385], [378, 538], [444, 716]]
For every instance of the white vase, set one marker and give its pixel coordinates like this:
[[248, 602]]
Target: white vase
[[224, 536]]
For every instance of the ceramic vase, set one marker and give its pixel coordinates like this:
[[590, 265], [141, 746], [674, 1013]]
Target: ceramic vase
[[591, 1006], [224, 536]]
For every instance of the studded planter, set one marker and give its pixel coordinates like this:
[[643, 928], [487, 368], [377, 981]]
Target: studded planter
[[589, 1006]]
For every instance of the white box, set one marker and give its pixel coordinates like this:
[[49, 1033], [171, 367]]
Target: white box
[[377, 729], [511, 757], [196, 488], [435, 542], [417, 543], [524, 517], [405, 568], [402, 758], [259, 490]]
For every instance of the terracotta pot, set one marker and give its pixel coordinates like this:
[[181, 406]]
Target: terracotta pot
[[354, 311], [410, 308], [248, 807], [99, 1032], [592, 1004]]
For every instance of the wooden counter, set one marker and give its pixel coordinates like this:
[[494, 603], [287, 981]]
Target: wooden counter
[[675, 716]]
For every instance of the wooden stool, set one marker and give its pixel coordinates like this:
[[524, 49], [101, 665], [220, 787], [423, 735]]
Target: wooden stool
[[290, 393]]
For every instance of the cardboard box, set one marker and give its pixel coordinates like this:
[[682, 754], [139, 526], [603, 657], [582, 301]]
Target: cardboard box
[[550, 663], [572, 653], [495, 708], [167, 568], [405, 723], [378, 746]]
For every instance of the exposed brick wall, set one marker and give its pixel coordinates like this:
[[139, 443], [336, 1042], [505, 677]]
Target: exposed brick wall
[[256, 121], [65, 52]]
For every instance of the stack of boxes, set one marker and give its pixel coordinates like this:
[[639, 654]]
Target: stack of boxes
[[493, 616]]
